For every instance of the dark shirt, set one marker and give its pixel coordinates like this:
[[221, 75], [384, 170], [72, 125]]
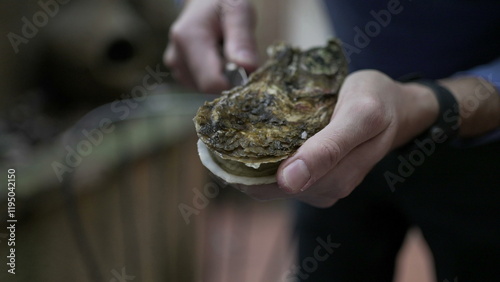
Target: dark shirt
[[434, 38]]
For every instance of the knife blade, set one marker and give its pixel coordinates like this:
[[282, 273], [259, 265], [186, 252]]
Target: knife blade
[[235, 74]]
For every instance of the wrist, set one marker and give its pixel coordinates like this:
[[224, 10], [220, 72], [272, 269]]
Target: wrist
[[419, 109], [479, 104]]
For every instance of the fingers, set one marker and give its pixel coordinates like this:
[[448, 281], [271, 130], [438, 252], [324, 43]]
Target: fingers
[[238, 23], [350, 171], [193, 53], [338, 183], [205, 63], [353, 124], [333, 162], [180, 71]]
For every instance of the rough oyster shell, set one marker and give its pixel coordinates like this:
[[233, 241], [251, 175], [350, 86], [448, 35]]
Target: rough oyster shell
[[247, 131]]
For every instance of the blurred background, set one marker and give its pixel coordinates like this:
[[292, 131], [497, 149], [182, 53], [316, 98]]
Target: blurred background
[[109, 186]]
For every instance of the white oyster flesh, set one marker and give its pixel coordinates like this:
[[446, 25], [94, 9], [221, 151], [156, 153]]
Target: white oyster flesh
[[210, 164]]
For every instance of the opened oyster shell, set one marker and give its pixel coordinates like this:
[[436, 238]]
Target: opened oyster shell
[[246, 132]]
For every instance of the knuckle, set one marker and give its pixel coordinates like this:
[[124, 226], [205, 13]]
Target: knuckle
[[181, 34], [368, 105], [373, 112], [176, 33], [329, 151]]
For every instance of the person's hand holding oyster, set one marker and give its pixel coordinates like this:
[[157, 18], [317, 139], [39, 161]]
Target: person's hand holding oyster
[[247, 132], [299, 128]]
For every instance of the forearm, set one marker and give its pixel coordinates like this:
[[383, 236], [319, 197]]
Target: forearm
[[479, 104], [479, 108]]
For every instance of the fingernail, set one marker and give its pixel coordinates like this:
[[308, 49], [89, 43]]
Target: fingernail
[[296, 175], [245, 56]]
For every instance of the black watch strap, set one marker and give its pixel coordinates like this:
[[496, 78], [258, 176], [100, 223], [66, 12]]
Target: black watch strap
[[446, 127], [447, 123]]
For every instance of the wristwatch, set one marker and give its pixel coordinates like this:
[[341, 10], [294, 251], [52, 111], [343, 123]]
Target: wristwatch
[[447, 125]]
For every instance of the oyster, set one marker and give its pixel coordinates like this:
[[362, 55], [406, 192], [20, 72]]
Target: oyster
[[246, 132]]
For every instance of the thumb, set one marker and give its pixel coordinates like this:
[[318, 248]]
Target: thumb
[[238, 20], [322, 152]]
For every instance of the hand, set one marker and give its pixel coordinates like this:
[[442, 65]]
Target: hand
[[373, 115], [193, 53]]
